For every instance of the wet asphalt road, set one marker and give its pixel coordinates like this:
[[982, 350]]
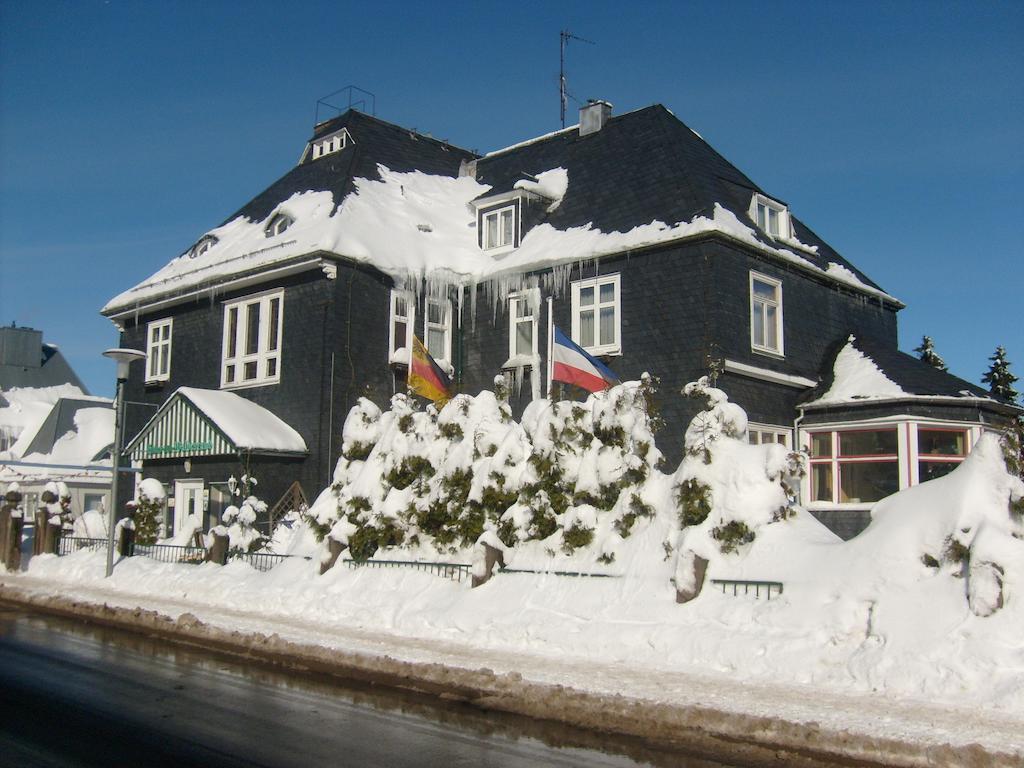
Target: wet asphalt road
[[75, 695]]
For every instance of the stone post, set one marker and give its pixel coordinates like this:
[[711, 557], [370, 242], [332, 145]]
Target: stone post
[[492, 557], [699, 568], [126, 542], [218, 552], [336, 548]]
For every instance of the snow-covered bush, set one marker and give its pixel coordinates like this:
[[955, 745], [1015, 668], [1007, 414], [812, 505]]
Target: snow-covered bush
[[239, 525], [148, 510]]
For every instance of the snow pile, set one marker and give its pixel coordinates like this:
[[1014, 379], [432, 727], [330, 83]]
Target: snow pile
[[93, 432], [24, 409], [856, 377], [91, 524], [567, 484]]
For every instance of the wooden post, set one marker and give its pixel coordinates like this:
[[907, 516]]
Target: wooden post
[[126, 542], [492, 557], [218, 552], [336, 548], [12, 556]]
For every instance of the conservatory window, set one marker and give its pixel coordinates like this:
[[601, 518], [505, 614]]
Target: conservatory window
[[158, 350], [438, 329], [855, 466], [522, 328], [939, 451], [498, 228], [400, 333], [765, 313], [279, 224], [252, 340], [596, 315]]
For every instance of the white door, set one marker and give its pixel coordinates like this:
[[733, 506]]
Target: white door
[[188, 500]]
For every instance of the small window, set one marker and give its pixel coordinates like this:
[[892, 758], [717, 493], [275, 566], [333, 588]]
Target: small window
[[772, 218], [765, 314], [252, 341], [158, 350], [499, 227], [400, 328], [437, 325], [279, 224], [865, 463], [596, 315], [939, 451], [765, 435], [522, 330], [204, 244], [335, 142]]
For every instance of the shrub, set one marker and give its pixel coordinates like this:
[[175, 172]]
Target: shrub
[[575, 537], [732, 535], [693, 499]]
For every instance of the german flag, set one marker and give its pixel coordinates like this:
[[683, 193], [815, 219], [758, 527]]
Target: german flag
[[426, 377]]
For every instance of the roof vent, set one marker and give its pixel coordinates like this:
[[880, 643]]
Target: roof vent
[[594, 115]]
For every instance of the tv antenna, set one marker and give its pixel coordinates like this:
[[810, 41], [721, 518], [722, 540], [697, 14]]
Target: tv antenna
[[563, 41]]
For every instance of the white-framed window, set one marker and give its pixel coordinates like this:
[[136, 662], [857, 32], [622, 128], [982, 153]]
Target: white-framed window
[[158, 350], [400, 327], [597, 315], [763, 434], [334, 142], [252, 340], [204, 244], [772, 218], [522, 324], [940, 449], [498, 227], [278, 224], [765, 314], [437, 329]]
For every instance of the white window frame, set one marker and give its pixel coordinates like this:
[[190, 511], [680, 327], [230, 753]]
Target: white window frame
[[158, 352], [615, 346], [264, 354], [531, 299], [445, 325], [334, 142], [761, 431], [761, 203], [409, 318], [498, 215], [279, 222], [205, 243], [759, 304]]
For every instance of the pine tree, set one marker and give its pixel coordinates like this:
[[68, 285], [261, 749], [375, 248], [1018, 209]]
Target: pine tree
[[927, 353], [999, 379]]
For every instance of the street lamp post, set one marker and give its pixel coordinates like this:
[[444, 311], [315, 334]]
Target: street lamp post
[[124, 359]]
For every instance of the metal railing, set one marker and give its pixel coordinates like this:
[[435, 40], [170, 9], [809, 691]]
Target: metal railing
[[575, 574], [757, 586], [69, 544], [456, 571], [170, 553], [264, 561]]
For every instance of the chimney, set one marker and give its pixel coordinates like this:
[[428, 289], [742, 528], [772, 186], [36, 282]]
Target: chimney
[[594, 115]]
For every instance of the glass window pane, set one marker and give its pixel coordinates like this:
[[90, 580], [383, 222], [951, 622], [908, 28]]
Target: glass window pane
[[435, 342], [524, 338], [879, 442], [754, 437], [400, 331], [166, 332], [940, 442], [758, 320], [821, 444], [232, 331], [507, 226], [435, 313], [761, 216], [868, 480], [586, 296], [153, 363], [607, 325], [249, 371], [229, 374], [773, 221], [490, 230], [163, 361], [821, 481], [764, 290], [607, 292], [252, 328], [400, 307], [272, 367], [771, 328], [275, 315], [587, 328], [929, 470]]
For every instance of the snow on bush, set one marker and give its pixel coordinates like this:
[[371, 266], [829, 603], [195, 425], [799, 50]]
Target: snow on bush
[[148, 509], [239, 525]]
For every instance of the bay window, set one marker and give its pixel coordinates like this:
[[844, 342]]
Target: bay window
[[939, 451], [854, 466]]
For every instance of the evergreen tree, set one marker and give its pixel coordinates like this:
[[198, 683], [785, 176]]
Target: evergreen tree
[[999, 379], [927, 353]]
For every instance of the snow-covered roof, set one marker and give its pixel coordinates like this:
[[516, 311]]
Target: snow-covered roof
[[644, 179], [247, 425]]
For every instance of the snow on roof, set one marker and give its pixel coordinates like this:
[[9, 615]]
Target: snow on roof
[[93, 432], [856, 377], [244, 423]]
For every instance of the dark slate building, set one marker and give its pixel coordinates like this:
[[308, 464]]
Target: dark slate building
[[630, 233]]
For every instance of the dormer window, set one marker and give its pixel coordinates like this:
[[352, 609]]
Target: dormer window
[[772, 218], [205, 243], [499, 226], [279, 224], [334, 142]]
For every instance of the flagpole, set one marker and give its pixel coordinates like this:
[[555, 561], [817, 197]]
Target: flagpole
[[551, 344]]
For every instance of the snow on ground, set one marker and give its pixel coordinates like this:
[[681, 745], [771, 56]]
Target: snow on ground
[[914, 629]]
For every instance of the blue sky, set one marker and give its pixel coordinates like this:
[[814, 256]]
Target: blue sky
[[895, 130]]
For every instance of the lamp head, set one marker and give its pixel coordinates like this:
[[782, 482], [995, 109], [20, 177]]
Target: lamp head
[[124, 358]]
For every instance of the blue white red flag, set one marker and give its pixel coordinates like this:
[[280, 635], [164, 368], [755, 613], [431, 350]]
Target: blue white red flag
[[573, 365]]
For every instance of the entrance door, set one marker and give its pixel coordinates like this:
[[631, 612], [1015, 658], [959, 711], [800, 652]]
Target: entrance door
[[188, 500]]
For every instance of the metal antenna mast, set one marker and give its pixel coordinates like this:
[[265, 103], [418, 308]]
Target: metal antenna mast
[[563, 40]]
